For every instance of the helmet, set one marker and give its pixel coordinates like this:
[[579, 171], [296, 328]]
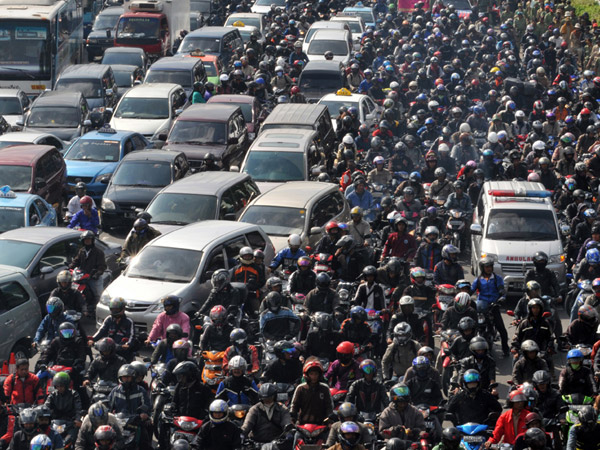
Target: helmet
[[67, 330], [140, 367], [406, 300], [530, 345], [105, 433], [587, 416], [345, 348], [61, 379], [246, 251], [358, 314], [368, 366], [402, 333], [238, 336], [273, 301], [186, 369], [587, 313], [541, 377], [282, 347], [462, 284], [575, 355], [98, 414], [592, 256], [535, 302], [486, 261], [478, 343], [466, 323], [323, 321], [420, 363], [238, 362], [64, 276], [219, 279], [536, 438], [274, 281], [312, 364], [416, 272], [174, 331], [55, 306], [395, 444], [533, 286], [400, 392], [41, 442], [171, 300], [116, 306], [461, 301], [323, 280], [589, 213], [267, 390], [294, 240], [439, 172], [369, 271], [349, 434], [86, 200], [106, 346], [533, 176], [347, 410], [126, 370], [218, 314], [471, 376], [448, 250], [516, 396], [218, 406], [431, 230], [356, 211], [451, 437]]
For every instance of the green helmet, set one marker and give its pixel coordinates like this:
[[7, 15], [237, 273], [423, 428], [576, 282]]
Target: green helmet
[[61, 379]]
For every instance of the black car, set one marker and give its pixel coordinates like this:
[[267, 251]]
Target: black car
[[137, 179], [95, 81], [102, 35]]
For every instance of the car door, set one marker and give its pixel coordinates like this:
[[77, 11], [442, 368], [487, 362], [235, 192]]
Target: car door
[[17, 315], [46, 215], [139, 142], [232, 250], [52, 260]]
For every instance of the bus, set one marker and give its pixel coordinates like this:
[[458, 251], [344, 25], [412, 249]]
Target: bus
[[38, 38]]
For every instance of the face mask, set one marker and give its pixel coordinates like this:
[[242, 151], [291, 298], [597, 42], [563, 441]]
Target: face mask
[[280, 74]]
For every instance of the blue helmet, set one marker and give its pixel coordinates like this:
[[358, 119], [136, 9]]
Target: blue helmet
[[421, 97], [592, 256], [574, 354], [589, 213], [415, 176]]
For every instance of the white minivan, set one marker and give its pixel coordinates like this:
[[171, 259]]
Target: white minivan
[[337, 41]]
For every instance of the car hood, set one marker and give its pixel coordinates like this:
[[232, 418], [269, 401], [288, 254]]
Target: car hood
[[279, 242], [196, 152], [519, 251], [65, 134], [147, 127], [89, 168], [132, 194], [141, 290]]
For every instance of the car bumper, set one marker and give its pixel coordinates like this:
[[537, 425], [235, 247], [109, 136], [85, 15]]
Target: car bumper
[[117, 217]]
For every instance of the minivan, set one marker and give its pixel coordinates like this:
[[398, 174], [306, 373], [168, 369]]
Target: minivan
[[177, 70], [95, 81], [512, 221], [180, 263], [303, 116], [322, 25], [220, 41], [320, 78], [339, 42]]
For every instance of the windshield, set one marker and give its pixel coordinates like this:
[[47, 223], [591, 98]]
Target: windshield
[[11, 218], [193, 132], [88, 88], [275, 166], [204, 44], [129, 59], [143, 174], [124, 78], [354, 26], [320, 80], [211, 69], [247, 21], [53, 117], [270, 2], [138, 28], [182, 209], [17, 253], [521, 225], [334, 106], [366, 16], [320, 46], [165, 264], [10, 106], [17, 177], [105, 22], [203, 7], [182, 77], [94, 150], [24, 50], [276, 221], [143, 108]]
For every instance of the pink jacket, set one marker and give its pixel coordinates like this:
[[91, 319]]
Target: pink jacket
[[162, 321]]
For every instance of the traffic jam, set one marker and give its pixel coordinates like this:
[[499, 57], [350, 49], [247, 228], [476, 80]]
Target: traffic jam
[[299, 225]]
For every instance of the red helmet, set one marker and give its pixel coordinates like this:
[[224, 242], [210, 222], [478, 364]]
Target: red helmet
[[218, 313], [312, 364], [86, 200], [345, 348], [295, 90], [331, 225], [584, 111]]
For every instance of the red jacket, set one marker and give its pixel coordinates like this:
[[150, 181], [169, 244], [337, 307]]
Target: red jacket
[[505, 429], [7, 426], [29, 391], [404, 246]]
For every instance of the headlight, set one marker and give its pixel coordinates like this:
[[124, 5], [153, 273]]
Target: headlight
[[158, 308], [555, 259], [105, 299], [103, 177], [108, 205]]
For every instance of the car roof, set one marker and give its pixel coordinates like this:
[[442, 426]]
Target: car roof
[[331, 35], [232, 98], [204, 183], [151, 90], [512, 202], [38, 235], [346, 18], [20, 200], [152, 154], [58, 98], [267, 141], [112, 11], [293, 113], [9, 92], [175, 63], [343, 98], [23, 155], [197, 236], [23, 136], [294, 194], [325, 24], [99, 135], [206, 112], [322, 66], [85, 71], [210, 31], [125, 50], [244, 14]]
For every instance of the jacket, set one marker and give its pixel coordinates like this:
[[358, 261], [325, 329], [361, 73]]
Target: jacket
[[538, 330], [122, 332], [71, 298], [260, 428], [287, 258], [427, 390], [65, 406], [411, 418], [192, 400], [524, 369], [90, 261], [250, 354], [358, 333], [581, 332], [85, 437], [220, 436], [582, 439], [340, 376], [27, 391], [404, 246], [84, 222], [278, 372], [228, 296], [311, 403], [319, 300], [277, 326], [48, 328], [163, 320], [7, 426], [451, 317], [106, 370], [65, 352], [428, 255], [488, 290], [332, 439], [302, 281], [136, 241], [485, 366], [398, 358], [238, 390], [216, 339], [577, 381], [132, 401], [370, 297], [322, 344], [473, 408], [368, 397], [505, 429], [247, 274]]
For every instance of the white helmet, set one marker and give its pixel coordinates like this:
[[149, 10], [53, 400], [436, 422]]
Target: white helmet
[[278, 69], [539, 145], [348, 140], [464, 128], [378, 160], [520, 114], [224, 78], [406, 300], [462, 300], [443, 148], [492, 137], [238, 362], [294, 240]]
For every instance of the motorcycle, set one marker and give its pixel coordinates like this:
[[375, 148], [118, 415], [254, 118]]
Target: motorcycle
[[212, 372], [131, 430], [337, 396], [455, 227], [572, 405], [375, 320], [46, 374], [81, 282], [323, 262], [65, 429], [444, 362], [101, 389], [185, 427], [474, 435], [424, 317], [310, 436], [285, 392], [238, 413], [443, 300]]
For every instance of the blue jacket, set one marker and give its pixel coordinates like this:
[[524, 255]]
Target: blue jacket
[[287, 258], [84, 222], [237, 391], [365, 202], [364, 86], [428, 256], [134, 401], [48, 328], [488, 290], [268, 316]]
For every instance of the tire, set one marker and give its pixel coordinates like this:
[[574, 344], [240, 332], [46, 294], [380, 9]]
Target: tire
[[20, 352]]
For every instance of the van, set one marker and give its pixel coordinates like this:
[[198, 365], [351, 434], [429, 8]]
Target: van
[[220, 41], [319, 78], [177, 70], [303, 116], [322, 25], [95, 81], [339, 42], [282, 155], [513, 220]]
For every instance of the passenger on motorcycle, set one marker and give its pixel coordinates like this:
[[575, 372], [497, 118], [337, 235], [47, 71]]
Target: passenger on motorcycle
[[423, 294], [164, 350], [192, 397], [400, 244], [106, 365], [589, 267], [480, 360], [367, 393], [379, 175], [344, 370], [409, 202], [584, 434], [431, 219], [369, 294], [181, 353], [90, 260], [391, 275], [312, 401], [95, 421], [87, 217], [221, 293], [44, 417], [401, 419], [576, 378], [67, 349], [549, 399], [278, 322], [218, 433], [461, 308], [48, 328], [356, 329], [29, 429], [137, 238], [425, 385], [240, 347], [287, 368], [71, 297], [118, 327], [303, 279], [65, 403], [105, 437], [170, 315], [274, 284], [268, 419], [400, 353], [237, 388], [322, 298], [429, 253], [472, 403], [406, 313], [535, 327], [529, 363], [583, 329], [511, 422], [327, 243], [347, 412], [322, 340], [349, 437], [22, 386], [216, 335], [448, 270], [288, 256], [490, 287], [247, 272]]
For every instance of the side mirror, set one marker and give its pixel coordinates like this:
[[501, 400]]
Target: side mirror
[[232, 140], [234, 169], [315, 231], [87, 123], [476, 229], [46, 270], [178, 111], [109, 33], [510, 313], [138, 211], [162, 137], [20, 122], [230, 216], [105, 180]]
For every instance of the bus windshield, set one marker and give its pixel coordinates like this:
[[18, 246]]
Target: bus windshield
[[24, 50]]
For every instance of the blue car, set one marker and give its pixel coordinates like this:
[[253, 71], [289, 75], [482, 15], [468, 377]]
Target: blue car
[[24, 210], [365, 12], [94, 157]]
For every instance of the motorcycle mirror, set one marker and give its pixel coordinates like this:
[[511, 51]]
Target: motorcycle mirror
[[547, 314], [510, 313]]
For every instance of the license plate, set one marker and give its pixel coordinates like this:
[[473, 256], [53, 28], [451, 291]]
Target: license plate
[[130, 215], [321, 267], [517, 285], [456, 223], [473, 439]]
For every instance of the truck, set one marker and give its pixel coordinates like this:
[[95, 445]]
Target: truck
[[153, 25]]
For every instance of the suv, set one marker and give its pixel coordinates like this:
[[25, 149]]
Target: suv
[[95, 81], [101, 37], [182, 71], [512, 221]]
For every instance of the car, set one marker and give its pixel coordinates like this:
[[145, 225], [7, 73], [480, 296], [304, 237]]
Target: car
[[137, 179], [212, 64], [321, 25], [177, 70], [339, 42], [204, 12], [247, 31], [251, 109], [95, 81], [24, 210], [13, 104], [364, 12], [35, 169], [94, 157], [20, 314], [61, 113], [31, 137], [102, 35], [264, 6], [249, 20], [131, 56], [149, 109], [356, 24], [180, 263], [319, 78], [301, 207], [368, 110], [202, 196], [43, 252], [463, 8], [221, 41], [204, 128], [126, 77]]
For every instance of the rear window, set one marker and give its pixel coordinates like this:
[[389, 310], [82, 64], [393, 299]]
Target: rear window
[[320, 80]]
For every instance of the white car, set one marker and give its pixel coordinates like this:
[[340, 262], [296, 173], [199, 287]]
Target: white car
[[339, 42], [356, 24], [248, 19], [13, 104], [149, 109], [368, 110], [321, 25], [264, 6]]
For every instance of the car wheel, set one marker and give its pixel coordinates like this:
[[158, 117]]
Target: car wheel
[[20, 352]]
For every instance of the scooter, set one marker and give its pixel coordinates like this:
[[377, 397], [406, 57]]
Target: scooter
[[64, 428], [310, 436], [456, 228], [474, 435]]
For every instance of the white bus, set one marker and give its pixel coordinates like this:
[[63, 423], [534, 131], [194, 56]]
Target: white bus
[[38, 38]]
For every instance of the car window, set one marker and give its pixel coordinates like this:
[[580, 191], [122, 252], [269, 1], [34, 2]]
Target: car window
[[251, 189], [256, 240], [215, 262], [12, 295], [57, 161], [233, 128], [43, 168], [480, 209], [42, 208], [232, 249], [55, 256], [33, 216], [241, 123], [323, 212], [138, 142], [232, 201], [128, 146]]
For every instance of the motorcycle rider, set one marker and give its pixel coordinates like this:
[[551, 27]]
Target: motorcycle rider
[[529, 363], [429, 253], [544, 276], [584, 434], [576, 378], [181, 353], [247, 272], [345, 369], [312, 401], [90, 260], [549, 400], [118, 327], [346, 412], [7, 423], [401, 418], [367, 393], [535, 327], [106, 365], [71, 297], [511, 423], [589, 267], [288, 256], [423, 294], [22, 386], [48, 327], [356, 329], [216, 335], [87, 217], [268, 419], [360, 231], [459, 200], [65, 403], [322, 298], [240, 347], [97, 417], [583, 329], [67, 349], [278, 322], [303, 279], [221, 293], [44, 416], [164, 350], [327, 243], [401, 243], [448, 270], [192, 397], [451, 438], [369, 294], [170, 315], [322, 339], [287, 368], [137, 238], [400, 353], [425, 386], [460, 308], [472, 402], [22, 437], [406, 313], [480, 360], [431, 219], [218, 433]]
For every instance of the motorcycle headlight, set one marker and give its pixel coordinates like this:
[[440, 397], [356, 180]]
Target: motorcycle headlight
[[187, 425], [108, 205], [60, 429], [555, 259], [105, 299]]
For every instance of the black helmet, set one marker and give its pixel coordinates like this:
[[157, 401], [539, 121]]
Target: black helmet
[[219, 279], [535, 438], [369, 271], [186, 369], [323, 280], [273, 301], [486, 261], [238, 336], [393, 265], [180, 444], [140, 368], [126, 370], [105, 433], [587, 416], [540, 260], [477, 344], [451, 437], [267, 390], [175, 330], [106, 346], [280, 348], [466, 323], [323, 321], [395, 444], [67, 331], [541, 377], [87, 235]]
